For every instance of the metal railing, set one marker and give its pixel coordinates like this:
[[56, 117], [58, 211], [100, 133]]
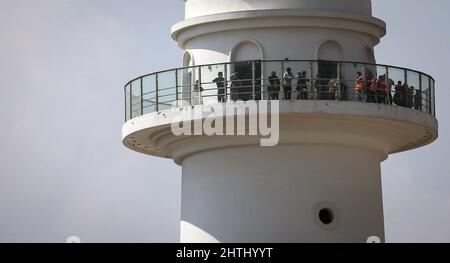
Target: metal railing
[[270, 80]]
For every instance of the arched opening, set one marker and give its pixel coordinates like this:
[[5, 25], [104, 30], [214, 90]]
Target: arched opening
[[368, 55], [245, 73], [330, 50], [187, 78], [188, 59], [329, 54]]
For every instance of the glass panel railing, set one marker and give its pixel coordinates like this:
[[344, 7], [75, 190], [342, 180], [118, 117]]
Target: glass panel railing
[[136, 106], [301, 84], [213, 83], [433, 97], [401, 90], [271, 80], [167, 91], [426, 94], [241, 81], [127, 102], [185, 77], [414, 95], [149, 94], [354, 81]]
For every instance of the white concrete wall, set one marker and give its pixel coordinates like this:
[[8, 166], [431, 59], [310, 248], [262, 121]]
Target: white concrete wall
[[278, 44], [195, 8], [254, 194]]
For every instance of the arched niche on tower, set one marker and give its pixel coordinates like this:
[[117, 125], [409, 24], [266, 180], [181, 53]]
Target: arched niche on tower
[[328, 52], [244, 58], [368, 55], [188, 59], [246, 50], [187, 76]]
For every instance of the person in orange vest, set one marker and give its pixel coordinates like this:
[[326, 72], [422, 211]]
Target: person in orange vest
[[371, 88], [359, 86]]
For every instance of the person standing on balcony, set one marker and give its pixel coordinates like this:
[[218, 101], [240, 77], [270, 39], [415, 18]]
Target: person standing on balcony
[[302, 86], [235, 86], [389, 84], [274, 86], [371, 88], [220, 82], [333, 89], [418, 100], [381, 90], [287, 83], [400, 94], [360, 84], [198, 89], [410, 97]]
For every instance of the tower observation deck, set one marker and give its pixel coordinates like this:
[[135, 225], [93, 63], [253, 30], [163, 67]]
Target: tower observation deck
[[340, 115]]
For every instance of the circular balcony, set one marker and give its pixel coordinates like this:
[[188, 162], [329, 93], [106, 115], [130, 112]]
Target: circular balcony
[[267, 80], [382, 108]]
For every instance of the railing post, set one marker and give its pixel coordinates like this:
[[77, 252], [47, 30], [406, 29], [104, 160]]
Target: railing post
[[125, 95], [405, 73], [157, 92], [338, 81], [421, 93], [131, 100], [408, 93], [312, 80], [199, 85], [429, 96], [142, 96], [253, 81], [225, 74], [434, 97], [176, 87], [388, 87], [262, 84], [281, 83]]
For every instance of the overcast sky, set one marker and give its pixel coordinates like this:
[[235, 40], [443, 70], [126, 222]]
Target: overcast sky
[[63, 169]]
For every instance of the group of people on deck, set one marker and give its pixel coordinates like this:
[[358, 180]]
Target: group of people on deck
[[368, 88], [321, 89]]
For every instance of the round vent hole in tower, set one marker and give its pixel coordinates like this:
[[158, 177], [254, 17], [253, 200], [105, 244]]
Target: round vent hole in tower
[[326, 216]]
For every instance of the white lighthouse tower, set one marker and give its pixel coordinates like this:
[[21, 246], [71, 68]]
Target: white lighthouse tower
[[322, 182]]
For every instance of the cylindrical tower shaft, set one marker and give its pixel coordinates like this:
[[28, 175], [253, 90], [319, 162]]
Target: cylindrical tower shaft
[[249, 194]]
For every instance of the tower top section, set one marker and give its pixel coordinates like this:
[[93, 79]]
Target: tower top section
[[197, 8]]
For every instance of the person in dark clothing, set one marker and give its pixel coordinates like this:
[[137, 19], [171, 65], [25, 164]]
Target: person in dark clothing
[[287, 83], [274, 86], [418, 100], [410, 96], [235, 86], [220, 82], [399, 96], [302, 86], [381, 90]]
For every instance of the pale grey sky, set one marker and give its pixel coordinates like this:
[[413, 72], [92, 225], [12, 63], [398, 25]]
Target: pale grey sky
[[63, 169]]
